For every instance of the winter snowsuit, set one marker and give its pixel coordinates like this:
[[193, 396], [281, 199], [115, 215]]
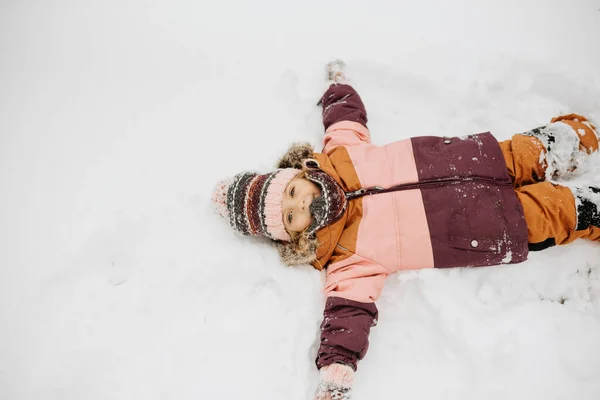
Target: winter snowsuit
[[452, 202]]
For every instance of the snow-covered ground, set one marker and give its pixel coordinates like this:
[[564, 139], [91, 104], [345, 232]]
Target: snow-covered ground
[[117, 281]]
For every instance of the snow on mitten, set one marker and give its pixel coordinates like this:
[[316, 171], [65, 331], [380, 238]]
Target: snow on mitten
[[336, 72], [335, 382]]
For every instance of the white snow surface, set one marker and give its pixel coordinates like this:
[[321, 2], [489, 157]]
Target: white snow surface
[[117, 118]]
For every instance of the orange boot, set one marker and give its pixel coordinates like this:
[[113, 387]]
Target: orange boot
[[555, 214], [557, 150]]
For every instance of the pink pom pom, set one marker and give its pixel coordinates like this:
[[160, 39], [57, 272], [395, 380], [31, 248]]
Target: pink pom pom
[[219, 197]]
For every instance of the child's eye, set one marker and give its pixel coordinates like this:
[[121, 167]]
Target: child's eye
[[289, 217], [293, 191]]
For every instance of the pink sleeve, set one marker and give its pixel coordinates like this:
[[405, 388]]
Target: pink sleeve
[[345, 133], [352, 287], [355, 278]]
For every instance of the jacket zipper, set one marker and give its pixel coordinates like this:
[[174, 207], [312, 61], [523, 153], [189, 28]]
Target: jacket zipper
[[417, 185]]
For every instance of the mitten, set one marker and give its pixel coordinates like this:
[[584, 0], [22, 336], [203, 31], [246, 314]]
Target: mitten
[[335, 382], [336, 72]]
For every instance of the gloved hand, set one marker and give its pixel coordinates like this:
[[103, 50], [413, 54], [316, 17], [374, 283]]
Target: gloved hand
[[335, 382], [336, 72]]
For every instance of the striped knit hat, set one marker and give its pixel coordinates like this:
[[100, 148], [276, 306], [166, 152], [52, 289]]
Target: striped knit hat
[[252, 202]]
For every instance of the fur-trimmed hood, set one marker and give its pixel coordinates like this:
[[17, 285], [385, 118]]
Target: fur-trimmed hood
[[303, 248], [297, 156]]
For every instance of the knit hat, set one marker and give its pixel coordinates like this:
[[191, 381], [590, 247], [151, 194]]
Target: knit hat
[[252, 202]]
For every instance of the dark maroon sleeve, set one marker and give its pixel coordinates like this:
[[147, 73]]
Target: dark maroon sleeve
[[345, 331], [342, 103]]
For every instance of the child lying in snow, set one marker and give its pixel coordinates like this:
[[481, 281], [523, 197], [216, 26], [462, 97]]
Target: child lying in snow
[[364, 211]]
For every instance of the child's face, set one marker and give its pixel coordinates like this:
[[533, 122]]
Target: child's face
[[297, 197]]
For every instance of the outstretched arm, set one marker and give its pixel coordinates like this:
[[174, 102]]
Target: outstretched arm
[[344, 114], [352, 286]]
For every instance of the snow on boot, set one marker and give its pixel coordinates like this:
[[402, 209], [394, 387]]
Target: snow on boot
[[593, 126], [567, 150], [587, 200]]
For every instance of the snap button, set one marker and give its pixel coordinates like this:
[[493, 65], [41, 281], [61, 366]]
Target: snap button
[[474, 243], [447, 141]]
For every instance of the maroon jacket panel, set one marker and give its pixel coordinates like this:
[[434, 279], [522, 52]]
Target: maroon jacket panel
[[473, 215], [476, 218], [342, 103], [345, 331]]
